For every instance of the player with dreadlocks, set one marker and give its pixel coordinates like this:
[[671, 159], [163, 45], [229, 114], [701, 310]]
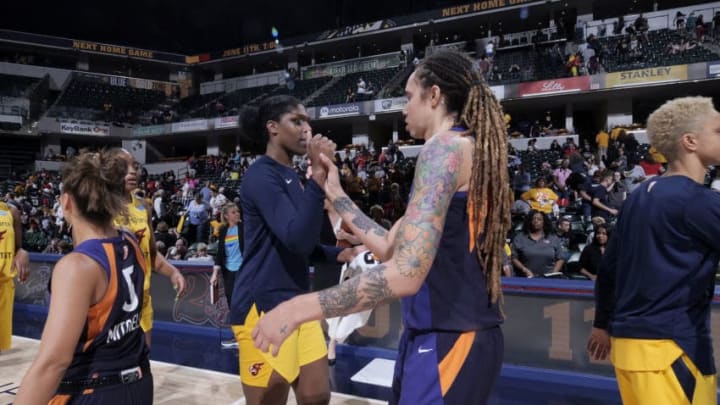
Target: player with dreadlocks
[[444, 256]]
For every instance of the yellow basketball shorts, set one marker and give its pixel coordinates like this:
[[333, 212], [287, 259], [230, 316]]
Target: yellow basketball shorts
[[654, 371], [7, 300], [303, 346], [146, 317]]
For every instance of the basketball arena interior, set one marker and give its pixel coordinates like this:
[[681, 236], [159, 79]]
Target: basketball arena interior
[[171, 94]]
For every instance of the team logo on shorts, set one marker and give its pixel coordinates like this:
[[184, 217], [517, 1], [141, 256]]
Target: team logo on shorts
[[255, 369]]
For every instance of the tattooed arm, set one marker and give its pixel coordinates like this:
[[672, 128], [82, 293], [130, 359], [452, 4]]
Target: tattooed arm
[[437, 178], [378, 239]]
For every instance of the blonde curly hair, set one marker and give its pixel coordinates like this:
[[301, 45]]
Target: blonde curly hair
[[675, 118]]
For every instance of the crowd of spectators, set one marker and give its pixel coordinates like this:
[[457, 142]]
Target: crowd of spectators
[[562, 216]]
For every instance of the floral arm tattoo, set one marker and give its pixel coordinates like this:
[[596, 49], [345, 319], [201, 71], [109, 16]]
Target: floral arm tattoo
[[436, 180], [363, 222]]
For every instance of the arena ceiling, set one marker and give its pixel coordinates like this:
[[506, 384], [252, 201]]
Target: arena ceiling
[[195, 26]]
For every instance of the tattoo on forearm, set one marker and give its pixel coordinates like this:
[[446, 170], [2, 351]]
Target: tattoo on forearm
[[436, 180], [363, 222], [357, 294], [343, 205]]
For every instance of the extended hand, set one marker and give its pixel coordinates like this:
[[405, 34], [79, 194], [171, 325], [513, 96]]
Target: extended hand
[[273, 328], [319, 145], [332, 186]]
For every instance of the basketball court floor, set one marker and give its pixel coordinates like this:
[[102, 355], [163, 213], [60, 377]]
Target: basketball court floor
[[190, 367]]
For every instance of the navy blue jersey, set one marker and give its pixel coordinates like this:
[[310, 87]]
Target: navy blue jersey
[[454, 296], [282, 222], [112, 339], [656, 280]]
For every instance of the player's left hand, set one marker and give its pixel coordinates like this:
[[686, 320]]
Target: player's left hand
[[598, 346], [178, 282], [274, 327], [21, 262]]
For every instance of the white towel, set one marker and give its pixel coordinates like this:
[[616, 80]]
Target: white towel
[[341, 327]]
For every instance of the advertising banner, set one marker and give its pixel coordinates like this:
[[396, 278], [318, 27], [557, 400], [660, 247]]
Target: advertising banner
[[554, 86], [647, 76], [344, 68], [357, 29], [341, 110], [84, 129], [189, 126], [226, 122], [390, 104], [498, 91], [149, 131], [713, 69]]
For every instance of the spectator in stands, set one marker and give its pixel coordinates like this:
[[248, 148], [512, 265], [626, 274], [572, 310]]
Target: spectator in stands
[[642, 27], [361, 86], [593, 253], [592, 165], [617, 192], [162, 234], [531, 148], [634, 175], [569, 147], [349, 95], [651, 167], [378, 215], [619, 25], [495, 73], [159, 205], [716, 25], [602, 29], [690, 22], [217, 200], [540, 197], [632, 146], [602, 140], [207, 191], [535, 250], [201, 253], [621, 160], [485, 67], [622, 49], [574, 63], [179, 250], [555, 146], [514, 71], [700, 29], [599, 193], [562, 233], [560, 176], [52, 247], [199, 217], [49, 154], [70, 152], [680, 21]]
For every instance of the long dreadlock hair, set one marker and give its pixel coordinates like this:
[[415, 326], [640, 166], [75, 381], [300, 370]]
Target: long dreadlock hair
[[489, 198]]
